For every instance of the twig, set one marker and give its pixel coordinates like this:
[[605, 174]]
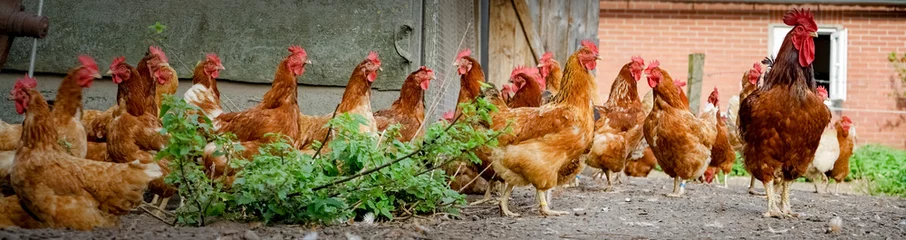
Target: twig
[[326, 136], [476, 178], [155, 216], [454, 175], [159, 209]]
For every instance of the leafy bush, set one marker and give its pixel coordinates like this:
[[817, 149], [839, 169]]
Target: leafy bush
[[881, 168], [360, 173]]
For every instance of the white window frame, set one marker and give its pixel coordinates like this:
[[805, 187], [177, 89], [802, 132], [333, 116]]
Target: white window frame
[[838, 55]]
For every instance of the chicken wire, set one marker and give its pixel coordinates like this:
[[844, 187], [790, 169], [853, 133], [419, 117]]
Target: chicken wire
[[449, 27]]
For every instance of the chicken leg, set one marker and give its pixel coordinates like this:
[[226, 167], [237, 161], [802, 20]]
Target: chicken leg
[[772, 206], [545, 209], [487, 195], [785, 199], [504, 209], [726, 185], [752, 188], [679, 187], [609, 175]]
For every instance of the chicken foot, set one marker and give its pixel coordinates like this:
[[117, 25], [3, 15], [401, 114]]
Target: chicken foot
[[752, 188], [785, 199], [544, 208], [679, 187], [504, 209], [725, 181], [836, 187], [487, 194], [772, 206]]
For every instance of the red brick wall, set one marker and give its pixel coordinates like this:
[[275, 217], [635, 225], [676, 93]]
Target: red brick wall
[[734, 36]]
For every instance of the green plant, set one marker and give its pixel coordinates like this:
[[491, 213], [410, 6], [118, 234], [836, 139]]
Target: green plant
[[361, 173], [156, 34], [881, 169], [739, 168]]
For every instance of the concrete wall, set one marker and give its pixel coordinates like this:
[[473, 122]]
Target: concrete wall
[[251, 37]]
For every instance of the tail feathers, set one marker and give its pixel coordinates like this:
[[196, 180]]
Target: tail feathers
[[205, 99]]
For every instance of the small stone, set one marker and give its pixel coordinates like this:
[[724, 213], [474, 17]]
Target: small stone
[[311, 236], [251, 235], [628, 200], [350, 236]]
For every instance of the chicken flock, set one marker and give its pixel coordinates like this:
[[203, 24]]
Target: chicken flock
[[69, 167]]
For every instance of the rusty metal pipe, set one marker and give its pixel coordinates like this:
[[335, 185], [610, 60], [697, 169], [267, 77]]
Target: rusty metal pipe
[[15, 22]]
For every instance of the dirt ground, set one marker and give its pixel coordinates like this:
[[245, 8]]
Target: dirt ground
[[638, 210]]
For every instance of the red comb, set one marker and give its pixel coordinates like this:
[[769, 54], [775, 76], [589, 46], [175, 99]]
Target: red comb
[[639, 60], [160, 54], [212, 57], [117, 61], [679, 83], [654, 64], [372, 56], [847, 120], [297, 50], [88, 62], [590, 45], [757, 67], [547, 56], [822, 91], [801, 17], [463, 53], [426, 69], [26, 83]]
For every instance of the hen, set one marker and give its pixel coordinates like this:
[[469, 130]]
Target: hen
[[134, 133], [529, 85], [748, 84], [551, 72], [279, 107], [356, 100], [546, 143], [680, 141], [642, 160], [722, 155], [781, 122], [846, 136], [409, 109], [62, 191], [619, 130]]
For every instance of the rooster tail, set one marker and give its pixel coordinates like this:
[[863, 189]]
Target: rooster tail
[[205, 99], [151, 169]]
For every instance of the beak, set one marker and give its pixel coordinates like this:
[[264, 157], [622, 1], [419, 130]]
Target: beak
[[814, 34], [456, 64], [307, 61], [110, 72], [541, 65], [381, 69], [97, 75], [599, 58], [220, 67]]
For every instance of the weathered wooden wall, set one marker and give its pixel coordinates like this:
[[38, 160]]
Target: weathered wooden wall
[[522, 30]]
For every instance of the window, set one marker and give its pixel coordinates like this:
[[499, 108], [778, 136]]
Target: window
[[830, 56]]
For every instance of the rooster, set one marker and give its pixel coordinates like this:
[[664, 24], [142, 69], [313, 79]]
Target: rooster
[[356, 100], [551, 72], [722, 155], [63, 191], [680, 141], [619, 130], [748, 84], [279, 107], [529, 85], [409, 109], [546, 143], [846, 135], [781, 122]]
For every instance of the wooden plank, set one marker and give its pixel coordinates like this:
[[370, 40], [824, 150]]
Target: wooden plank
[[522, 53], [694, 83], [577, 15], [502, 29], [525, 18], [554, 27], [592, 20]]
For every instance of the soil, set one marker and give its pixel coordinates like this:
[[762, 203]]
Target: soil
[[637, 210]]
